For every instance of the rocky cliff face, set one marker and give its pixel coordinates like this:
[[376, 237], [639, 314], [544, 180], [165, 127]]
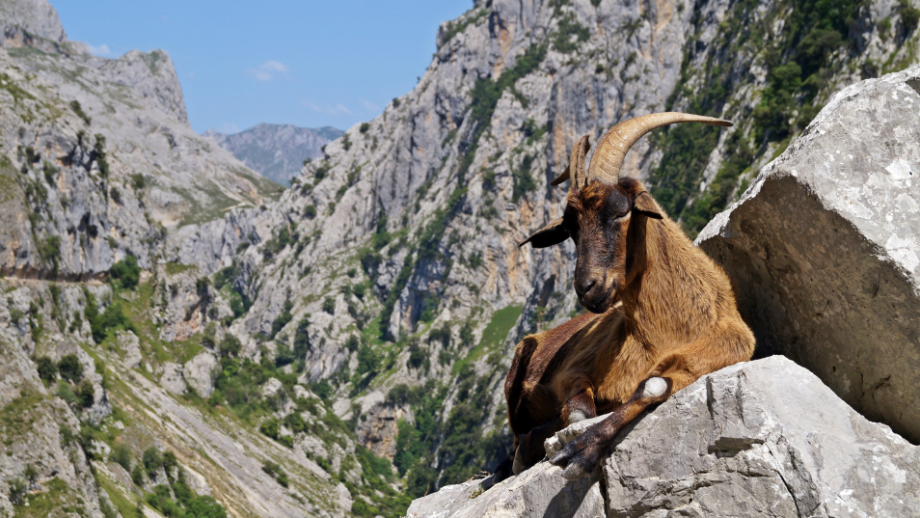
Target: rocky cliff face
[[277, 151]]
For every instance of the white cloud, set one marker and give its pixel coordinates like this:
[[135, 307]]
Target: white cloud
[[268, 71], [191, 74], [326, 108], [274, 66], [228, 128], [369, 106], [102, 50]]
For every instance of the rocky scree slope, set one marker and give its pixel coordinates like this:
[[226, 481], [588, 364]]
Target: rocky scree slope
[[277, 151], [388, 274]]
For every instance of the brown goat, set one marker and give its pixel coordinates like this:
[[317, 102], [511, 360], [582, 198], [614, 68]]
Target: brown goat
[[664, 312]]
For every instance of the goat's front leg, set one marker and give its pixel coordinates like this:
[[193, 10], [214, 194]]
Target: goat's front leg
[[580, 456]]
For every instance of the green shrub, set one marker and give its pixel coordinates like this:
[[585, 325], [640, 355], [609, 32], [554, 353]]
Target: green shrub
[[417, 357], [85, 393], [329, 305], [49, 171], [466, 334], [230, 346], [77, 109], [352, 343], [112, 319], [283, 319], [910, 15], [523, 181], [302, 338], [270, 427], [309, 211], [322, 389], [70, 368], [152, 461], [47, 369], [64, 392], [283, 355], [568, 30], [50, 251], [368, 361], [138, 182], [126, 272], [365, 126], [274, 471], [18, 489], [100, 156], [122, 456], [441, 334], [137, 475]]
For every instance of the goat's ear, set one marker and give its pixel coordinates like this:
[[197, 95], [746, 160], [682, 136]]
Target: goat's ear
[[647, 206], [550, 235]]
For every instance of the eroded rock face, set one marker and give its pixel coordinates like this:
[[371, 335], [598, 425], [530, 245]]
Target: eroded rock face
[[172, 378], [824, 253], [199, 373], [538, 492], [763, 438], [130, 348]]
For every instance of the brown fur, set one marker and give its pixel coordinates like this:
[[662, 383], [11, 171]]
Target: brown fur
[[678, 320]]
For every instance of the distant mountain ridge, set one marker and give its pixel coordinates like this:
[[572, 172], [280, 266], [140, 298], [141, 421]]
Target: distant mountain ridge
[[276, 150]]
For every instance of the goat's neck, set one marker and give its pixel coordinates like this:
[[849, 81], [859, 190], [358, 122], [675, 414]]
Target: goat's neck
[[660, 281]]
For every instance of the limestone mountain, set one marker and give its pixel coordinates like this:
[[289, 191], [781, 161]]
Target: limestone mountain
[[277, 151]]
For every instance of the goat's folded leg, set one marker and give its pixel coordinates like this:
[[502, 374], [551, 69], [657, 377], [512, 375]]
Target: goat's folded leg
[[530, 448], [581, 456], [579, 404]]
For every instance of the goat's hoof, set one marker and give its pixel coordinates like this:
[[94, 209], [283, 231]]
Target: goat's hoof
[[574, 471], [577, 458]]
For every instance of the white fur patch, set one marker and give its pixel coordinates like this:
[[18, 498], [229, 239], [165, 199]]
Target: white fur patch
[[576, 416], [655, 387]]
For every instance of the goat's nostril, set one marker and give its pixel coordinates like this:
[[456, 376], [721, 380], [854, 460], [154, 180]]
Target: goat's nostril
[[584, 287]]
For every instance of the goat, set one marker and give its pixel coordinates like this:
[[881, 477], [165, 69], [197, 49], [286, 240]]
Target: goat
[[662, 315]]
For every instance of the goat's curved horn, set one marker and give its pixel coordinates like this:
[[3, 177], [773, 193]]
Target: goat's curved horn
[[576, 164], [612, 147]]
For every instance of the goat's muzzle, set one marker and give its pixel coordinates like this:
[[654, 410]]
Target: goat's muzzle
[[596, 294]]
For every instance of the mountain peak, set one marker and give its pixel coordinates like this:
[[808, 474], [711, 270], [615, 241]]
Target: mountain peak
[[38, 17], [277, 151]]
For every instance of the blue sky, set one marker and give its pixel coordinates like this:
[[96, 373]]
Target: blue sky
[[240, 63]]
